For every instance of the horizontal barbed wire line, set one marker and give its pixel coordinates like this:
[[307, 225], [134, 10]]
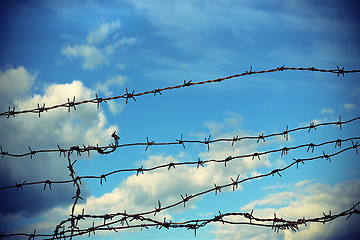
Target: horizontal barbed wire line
[[75, 219], [131, 95], [112, 147], [102, 177], [217, 188], [275, 223]]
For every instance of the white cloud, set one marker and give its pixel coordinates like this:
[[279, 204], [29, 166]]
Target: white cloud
[[116, 108], [141, 193], [110, 83], [87, 125], [15, 83], [111, 48], [100, 44], [304, 198], [349, 106], [107, 88], [98, 35], [92, 55]]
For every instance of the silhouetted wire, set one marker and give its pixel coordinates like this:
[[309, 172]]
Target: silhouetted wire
[[112, 147], [131, 95], [255, 155]]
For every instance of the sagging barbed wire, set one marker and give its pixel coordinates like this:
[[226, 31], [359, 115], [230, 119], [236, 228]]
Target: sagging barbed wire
[[131, 95]]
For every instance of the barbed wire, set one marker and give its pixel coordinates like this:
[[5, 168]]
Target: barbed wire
[[113, 146], [234, 184], [70, 227], [256, 155], [131, 95], [74, 219], [274, 223]]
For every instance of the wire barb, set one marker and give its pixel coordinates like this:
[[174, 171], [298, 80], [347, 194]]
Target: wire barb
[[340, 71], [41, 109], [312, 126], [187, 84], [181, 140], [98, 101], [71, 104], [10, 113], [47, 182], [129, 95], [206, 142]]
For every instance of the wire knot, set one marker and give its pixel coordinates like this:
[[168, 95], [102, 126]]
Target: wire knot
[[47, 182], [284, 151], [340, 71], [129, 95], [10, 113], [71, 104], [98, 101], [186, 198], [217, 188], [19, 185], [200, 163], [41, 109], [140, 170], [235, 182], [187, 84], [181, 141], [101, 178], [158, 209]]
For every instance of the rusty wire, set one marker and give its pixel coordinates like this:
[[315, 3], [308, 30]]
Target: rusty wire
[[216, 189], [112, 147], [199, 163], [274, 223], [278, 223], [131, 95], [69, 228]]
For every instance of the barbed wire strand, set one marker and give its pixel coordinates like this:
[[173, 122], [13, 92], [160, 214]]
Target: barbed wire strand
[[113, 146], [131, 95], [284, 151], [75, 231], [217, 188], [275, 223]]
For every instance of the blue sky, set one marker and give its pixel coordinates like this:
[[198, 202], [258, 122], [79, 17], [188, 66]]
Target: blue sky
[[54, 50]]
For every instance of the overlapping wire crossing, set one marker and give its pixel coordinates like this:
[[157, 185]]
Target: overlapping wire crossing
[[84, 224]]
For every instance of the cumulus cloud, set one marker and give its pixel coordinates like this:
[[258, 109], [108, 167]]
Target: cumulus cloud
[[92, 55], [307, 198], [87, 125], [141, 193], [100, 44], [15, 83]]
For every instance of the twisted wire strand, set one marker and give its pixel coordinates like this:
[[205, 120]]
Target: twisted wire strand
[[255, 155], [112, 147], [131, 95], [284, 224]]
